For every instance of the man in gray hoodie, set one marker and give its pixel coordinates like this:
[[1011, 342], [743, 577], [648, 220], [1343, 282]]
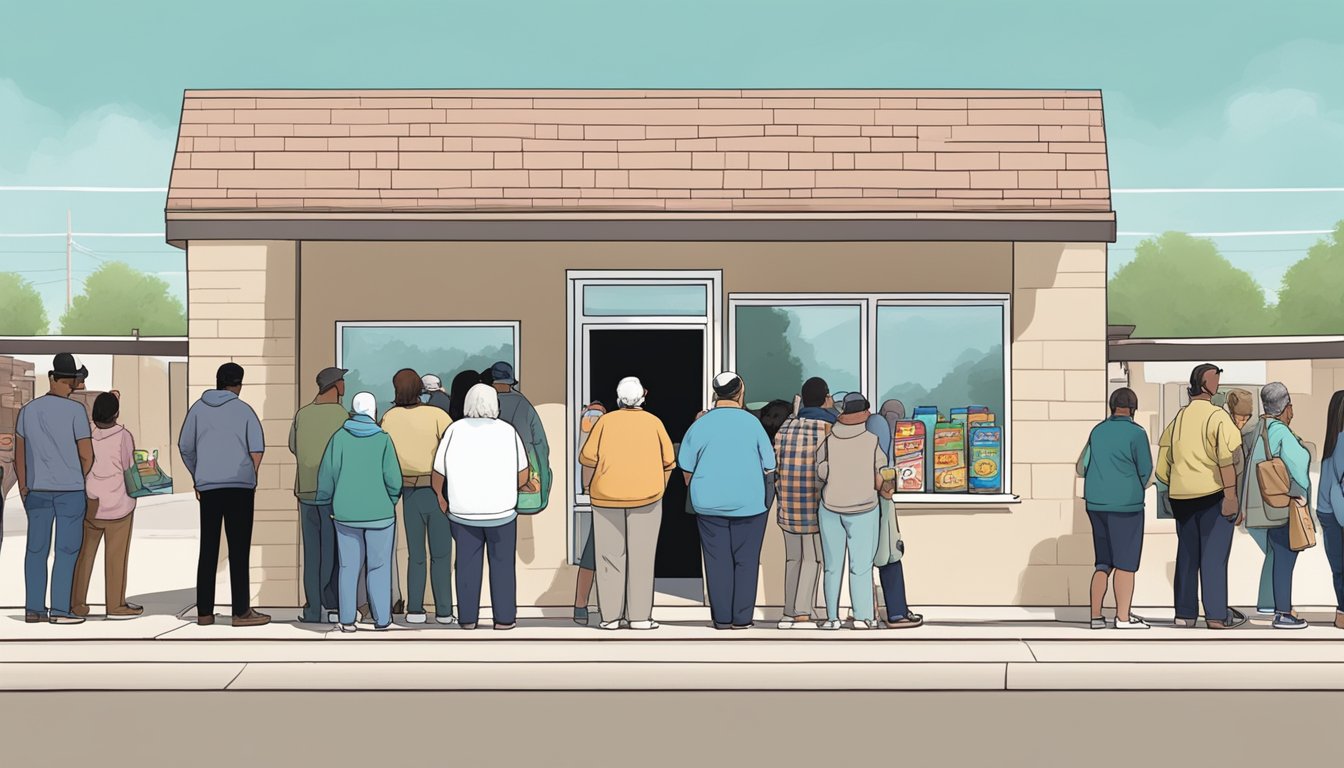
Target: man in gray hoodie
[[222, 446]]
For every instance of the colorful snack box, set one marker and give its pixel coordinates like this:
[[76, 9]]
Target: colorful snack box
[[986, 459], [928, 414], [949, 458], [908, 448]]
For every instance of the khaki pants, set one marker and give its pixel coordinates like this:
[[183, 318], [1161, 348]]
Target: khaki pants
[[625, 541], [118, 535], [802, 568]]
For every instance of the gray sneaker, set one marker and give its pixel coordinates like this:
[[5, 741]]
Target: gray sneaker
[[1099, 623]]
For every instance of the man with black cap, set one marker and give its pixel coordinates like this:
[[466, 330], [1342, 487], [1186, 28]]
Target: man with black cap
[[518, 411], [222, 445], [1196, 461], [729, 463], [312, 429], [53, 453]]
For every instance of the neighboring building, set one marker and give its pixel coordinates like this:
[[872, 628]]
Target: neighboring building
[[1158, 370], [590, 235]]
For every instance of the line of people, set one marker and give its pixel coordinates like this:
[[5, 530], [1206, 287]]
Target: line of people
[[1217, 468]]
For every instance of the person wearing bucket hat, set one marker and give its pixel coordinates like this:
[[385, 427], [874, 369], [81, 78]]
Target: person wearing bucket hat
[[518, 411], [313, 427], [53, 444]]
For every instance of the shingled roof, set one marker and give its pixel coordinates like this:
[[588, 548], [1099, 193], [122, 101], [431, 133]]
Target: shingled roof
[[883, 150]]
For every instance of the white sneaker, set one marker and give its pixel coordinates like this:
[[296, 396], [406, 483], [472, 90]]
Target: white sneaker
[[1134, 623], [789, 622], [348, 627], [333, 617], [860, 624], [650, 624], [831, 624], [610, 625], [449, 619], [416, 618]]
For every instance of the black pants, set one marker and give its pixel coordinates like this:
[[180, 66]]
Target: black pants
[[231, 508]]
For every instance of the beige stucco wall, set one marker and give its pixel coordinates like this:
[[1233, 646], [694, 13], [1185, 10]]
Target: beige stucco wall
[[1037, 552]]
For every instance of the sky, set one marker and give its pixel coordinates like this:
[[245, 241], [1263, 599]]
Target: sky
[[1197, 94]]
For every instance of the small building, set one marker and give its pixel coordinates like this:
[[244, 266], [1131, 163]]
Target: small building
[[944, 248]]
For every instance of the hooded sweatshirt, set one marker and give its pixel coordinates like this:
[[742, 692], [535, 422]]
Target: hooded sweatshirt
[[359, 475], [847, 462], [218, 438], [113, 454]]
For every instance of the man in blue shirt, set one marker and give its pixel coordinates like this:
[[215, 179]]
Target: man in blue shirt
[[729, 462]]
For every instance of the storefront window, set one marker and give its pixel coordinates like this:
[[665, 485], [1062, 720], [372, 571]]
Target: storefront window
[[779, 346], [947, 356], [374, 352]]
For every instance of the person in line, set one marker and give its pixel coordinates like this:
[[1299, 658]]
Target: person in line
[[416, 430], [313, 427], [457, 397], [53, 449], [773, 415], [1117, 467], [222, 446], [728, 464], [892, 411], [360, 479], [1195, 460], [1240, 406], [627, 461], [479, 469], [1275, 439], [586, 572], [1330, 499], [432, 389], [849, 464], [798, 497], [110, 512], [515, 409]]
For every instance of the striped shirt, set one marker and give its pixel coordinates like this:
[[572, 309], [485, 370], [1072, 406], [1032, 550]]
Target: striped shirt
[[799, 494]]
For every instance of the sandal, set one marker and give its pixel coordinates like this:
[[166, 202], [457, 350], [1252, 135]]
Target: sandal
[[909, 621]]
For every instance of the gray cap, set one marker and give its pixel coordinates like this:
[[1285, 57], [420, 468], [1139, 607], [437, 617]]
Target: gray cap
[[854, 402], [502, 373], [328, 378]]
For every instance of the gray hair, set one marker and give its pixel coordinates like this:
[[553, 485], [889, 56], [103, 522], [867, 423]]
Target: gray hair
[[629, 393], [481, 402], [1274, 398]]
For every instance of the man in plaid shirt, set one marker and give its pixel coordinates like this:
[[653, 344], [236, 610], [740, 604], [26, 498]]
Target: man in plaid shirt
[[799, 495]]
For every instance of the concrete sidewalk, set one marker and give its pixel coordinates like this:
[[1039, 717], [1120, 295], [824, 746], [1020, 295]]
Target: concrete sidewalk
[[961, 650]]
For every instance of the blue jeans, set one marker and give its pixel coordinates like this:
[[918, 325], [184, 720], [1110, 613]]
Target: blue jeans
[[893, 590], [371, 548], [319, 559], [1284, 561], [1203, 543], [66, 510], [1264, 600], [732, 549], [858, 534], [474, 545], [1332, 540]]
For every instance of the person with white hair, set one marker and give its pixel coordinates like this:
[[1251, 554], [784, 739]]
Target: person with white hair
[[479, 468], [1275, 439], [627, 461], [432, 387], [360, 479]]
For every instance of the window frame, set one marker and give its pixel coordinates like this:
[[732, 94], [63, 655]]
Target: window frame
[[869, 304]]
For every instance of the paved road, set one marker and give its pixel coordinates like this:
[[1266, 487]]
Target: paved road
[[655, 729]]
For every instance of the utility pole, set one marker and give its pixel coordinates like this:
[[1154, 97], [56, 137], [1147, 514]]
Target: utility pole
[[69, 271]]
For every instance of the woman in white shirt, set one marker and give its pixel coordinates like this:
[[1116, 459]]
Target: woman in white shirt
[[479, 468]]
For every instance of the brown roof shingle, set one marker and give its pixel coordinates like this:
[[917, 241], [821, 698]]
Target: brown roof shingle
[[714, 151]]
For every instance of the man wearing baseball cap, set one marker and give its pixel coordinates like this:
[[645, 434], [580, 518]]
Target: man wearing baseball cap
[[312, 429], [53, 452], [729, 464]]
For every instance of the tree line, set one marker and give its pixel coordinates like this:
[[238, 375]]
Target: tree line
[[116, 299]]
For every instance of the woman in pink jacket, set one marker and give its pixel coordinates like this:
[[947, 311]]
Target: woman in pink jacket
[[110, 511]]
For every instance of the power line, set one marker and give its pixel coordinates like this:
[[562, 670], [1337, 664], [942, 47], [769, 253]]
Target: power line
[[1267, 233], [83, 234], [1224, 190], [82, 189]]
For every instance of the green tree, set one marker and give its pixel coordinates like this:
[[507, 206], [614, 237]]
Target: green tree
[[1310, 300], [766, 358], [1181, 286], [117, 299], [21, 310]]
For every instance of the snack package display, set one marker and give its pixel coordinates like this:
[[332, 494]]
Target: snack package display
[[908, 449], [986, 458], [949, 458], [928, 414]]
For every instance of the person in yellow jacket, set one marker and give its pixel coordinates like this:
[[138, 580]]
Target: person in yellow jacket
[[627, 459]]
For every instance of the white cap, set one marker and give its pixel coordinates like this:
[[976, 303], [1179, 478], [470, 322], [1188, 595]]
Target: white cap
[[431, 383], [727, 384], [629, 392], [365, 405]]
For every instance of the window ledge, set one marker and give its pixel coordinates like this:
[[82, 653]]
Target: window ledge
[[955, 499]]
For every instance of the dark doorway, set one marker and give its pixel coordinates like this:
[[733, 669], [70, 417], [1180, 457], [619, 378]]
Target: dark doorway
[[670, 364]]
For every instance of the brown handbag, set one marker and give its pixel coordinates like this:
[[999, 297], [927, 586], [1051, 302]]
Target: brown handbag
[[1273, 475], [1301, 529]]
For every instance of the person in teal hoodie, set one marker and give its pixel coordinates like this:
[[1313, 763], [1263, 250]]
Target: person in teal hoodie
[[1117, 465], [360, 479]]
